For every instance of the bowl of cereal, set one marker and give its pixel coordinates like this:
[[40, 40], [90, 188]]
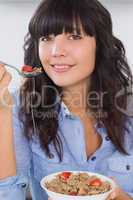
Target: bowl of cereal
[[77, 185]]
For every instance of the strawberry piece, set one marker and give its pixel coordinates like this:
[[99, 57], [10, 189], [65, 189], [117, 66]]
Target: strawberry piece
[[95, 182], [27, 68], [73, 193], [65, 175]]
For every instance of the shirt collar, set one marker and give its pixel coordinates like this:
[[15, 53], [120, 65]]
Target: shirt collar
[[65, 111], [73, 144]]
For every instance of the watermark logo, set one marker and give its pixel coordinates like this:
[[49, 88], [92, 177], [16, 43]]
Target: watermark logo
[[128, 110], [94, 101]]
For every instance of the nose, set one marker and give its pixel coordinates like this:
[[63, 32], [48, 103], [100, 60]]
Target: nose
[[58, 47]]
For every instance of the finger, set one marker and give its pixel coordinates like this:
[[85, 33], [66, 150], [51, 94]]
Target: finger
[[1, 65], [2, 72], [113, 195], [49, 198], [107, 198], [4, 82]]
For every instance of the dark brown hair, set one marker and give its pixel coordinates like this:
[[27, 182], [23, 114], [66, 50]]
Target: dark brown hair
[[111, 74]]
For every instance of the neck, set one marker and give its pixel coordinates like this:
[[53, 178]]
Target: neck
[[75, 97]]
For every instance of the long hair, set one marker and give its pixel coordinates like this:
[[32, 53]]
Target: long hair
[[111, 74]]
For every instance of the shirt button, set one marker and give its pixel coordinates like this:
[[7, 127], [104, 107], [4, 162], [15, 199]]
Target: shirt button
[[51, 156], [107, 138], [23, 185], [93, 158], [128, 167], [100, 125]]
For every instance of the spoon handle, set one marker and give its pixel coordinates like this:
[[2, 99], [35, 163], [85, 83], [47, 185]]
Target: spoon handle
[[1, 62]]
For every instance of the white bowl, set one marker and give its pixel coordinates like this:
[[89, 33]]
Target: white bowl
[[58, 196]]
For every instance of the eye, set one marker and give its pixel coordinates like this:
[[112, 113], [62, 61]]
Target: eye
[[75, 37], [47, 38]]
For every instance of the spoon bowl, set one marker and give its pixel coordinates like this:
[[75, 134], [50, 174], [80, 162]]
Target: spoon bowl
[[25, 74]]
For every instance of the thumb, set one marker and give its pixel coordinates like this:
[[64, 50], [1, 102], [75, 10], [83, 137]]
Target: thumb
[[113, 195]]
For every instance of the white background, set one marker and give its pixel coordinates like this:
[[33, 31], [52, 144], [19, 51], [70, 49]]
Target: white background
[[15, 15]]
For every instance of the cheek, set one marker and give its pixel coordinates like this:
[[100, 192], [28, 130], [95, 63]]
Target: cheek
[[89, 56], [44, 56], [40, 51], [43, 52], [86, 60]]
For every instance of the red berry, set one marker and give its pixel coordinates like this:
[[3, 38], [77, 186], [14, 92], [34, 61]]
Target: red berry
[[73, 193], [96, 182], [27, 68], [65, 175]]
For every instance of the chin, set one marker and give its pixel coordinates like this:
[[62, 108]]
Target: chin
[[61, 83]]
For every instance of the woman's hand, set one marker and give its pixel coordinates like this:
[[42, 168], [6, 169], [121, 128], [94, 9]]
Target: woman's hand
[[114, 195], [118, 193], [7, 153], [6, 100]]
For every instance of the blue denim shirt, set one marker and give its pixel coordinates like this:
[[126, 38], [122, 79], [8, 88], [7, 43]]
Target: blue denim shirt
[[33, 164]]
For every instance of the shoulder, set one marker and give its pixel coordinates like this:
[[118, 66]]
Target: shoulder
[[129, 135]]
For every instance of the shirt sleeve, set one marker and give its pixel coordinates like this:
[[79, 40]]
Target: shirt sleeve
[[130, 194], [15, 187], [129, 142]]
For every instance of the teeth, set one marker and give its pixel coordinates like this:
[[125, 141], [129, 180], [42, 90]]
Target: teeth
[[61, 66]]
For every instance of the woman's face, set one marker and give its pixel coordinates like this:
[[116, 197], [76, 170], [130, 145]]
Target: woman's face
[[68, 59]]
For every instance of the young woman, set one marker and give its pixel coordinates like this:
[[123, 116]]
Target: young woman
[[74, 116]]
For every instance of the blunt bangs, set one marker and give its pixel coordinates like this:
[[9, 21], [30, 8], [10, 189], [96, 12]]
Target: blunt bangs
[[57, 17]]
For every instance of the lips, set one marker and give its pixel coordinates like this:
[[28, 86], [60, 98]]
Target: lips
[[61, 67]]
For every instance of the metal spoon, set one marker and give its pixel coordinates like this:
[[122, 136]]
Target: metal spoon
[[21, 73]]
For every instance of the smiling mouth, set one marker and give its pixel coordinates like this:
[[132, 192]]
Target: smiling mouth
[[61, 67]]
